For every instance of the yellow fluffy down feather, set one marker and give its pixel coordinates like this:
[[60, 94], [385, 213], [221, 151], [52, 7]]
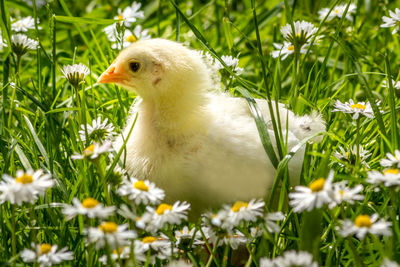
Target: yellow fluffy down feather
[[197, 144]]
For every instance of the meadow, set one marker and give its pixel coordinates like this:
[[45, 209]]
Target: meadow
[[65, 198]]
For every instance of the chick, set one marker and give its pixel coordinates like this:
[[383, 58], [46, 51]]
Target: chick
[[197, 144]]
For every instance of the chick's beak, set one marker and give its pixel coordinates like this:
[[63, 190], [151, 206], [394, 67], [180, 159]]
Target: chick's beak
[[113, 75]]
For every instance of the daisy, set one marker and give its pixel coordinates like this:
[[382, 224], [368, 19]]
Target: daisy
[[271, 219], [392, 160], [131, 37], [155, 219], [120, 253], [26, 187], [109, 233], [23, 24], [20, 44], [286, 49], [160, 247], [364, 224], [355, 108], [303, 32], [46, 255], [75, 74], [98, 131], [341, 193], [234, 240], [290, 258], [350, 155], [396, 85], [241, 211], [337, 12], [111, 32], [141, 191], [313, 196], [2, 42], [231, 62], [89, 207], [179, 263], [185, 236], [388, 263], [94, 151], [389, 177], [129, 14], [392, 21]]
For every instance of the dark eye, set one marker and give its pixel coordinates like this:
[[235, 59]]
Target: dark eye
[[134, 66]]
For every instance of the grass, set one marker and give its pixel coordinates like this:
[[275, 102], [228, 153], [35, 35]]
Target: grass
[[41, 115]]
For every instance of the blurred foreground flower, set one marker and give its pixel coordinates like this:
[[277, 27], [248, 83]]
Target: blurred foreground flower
[[289, 259], [341, 193], [392, 160], [109, 233], [337, 12], [392, 21], [94, 151], [46, 255], [363, 225], [89, 207], [26, 187], [160, 248], [75, 74], [389, 177]]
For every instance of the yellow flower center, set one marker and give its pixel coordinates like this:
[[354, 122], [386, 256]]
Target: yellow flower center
[[290, 48], [363, 221], [358, 106], [341, 192], [317, 185], [131, 38], [391, 171], [141, 186], [89, 150], [298, 34], [45, 248], [119, 251], [336, 11], [108, 227], [162, 208], [24, 179], [120, 17], [149, 239], [238, 205], [89, 203]]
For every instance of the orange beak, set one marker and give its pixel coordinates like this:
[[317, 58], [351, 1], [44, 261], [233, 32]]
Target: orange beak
[[111, 75]]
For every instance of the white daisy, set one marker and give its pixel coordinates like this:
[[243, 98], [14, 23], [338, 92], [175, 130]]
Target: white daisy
[[129, 14], [271, 219], [75, 74], [2, 42], [46, 255], [109, 233], [160, 247], [127, 37], [26, 187], [392, 160], [303, 32], [290, 258], [341, 193], [232, 216], [286, 49], [389, 177], [20, 44], [234, 240], [396, 85], [98, 131], [111, 32], [231, 62], [185, 236], [337, 12], [392, 21], [122, 253], [355, 108], [350, 155], [23, 24], [363, 225], [313, 196], [141, 191], [89, 207], [94, 151], [388, 263], [155, 219]]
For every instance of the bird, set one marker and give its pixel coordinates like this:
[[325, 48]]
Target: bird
[[199, 144]]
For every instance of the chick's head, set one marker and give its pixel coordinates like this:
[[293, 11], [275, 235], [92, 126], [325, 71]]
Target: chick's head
[[158, 68]]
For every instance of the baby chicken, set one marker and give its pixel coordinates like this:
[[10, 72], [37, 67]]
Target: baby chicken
[[197, 144]]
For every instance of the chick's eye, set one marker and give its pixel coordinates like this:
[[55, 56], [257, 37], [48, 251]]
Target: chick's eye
[[134, 66]]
